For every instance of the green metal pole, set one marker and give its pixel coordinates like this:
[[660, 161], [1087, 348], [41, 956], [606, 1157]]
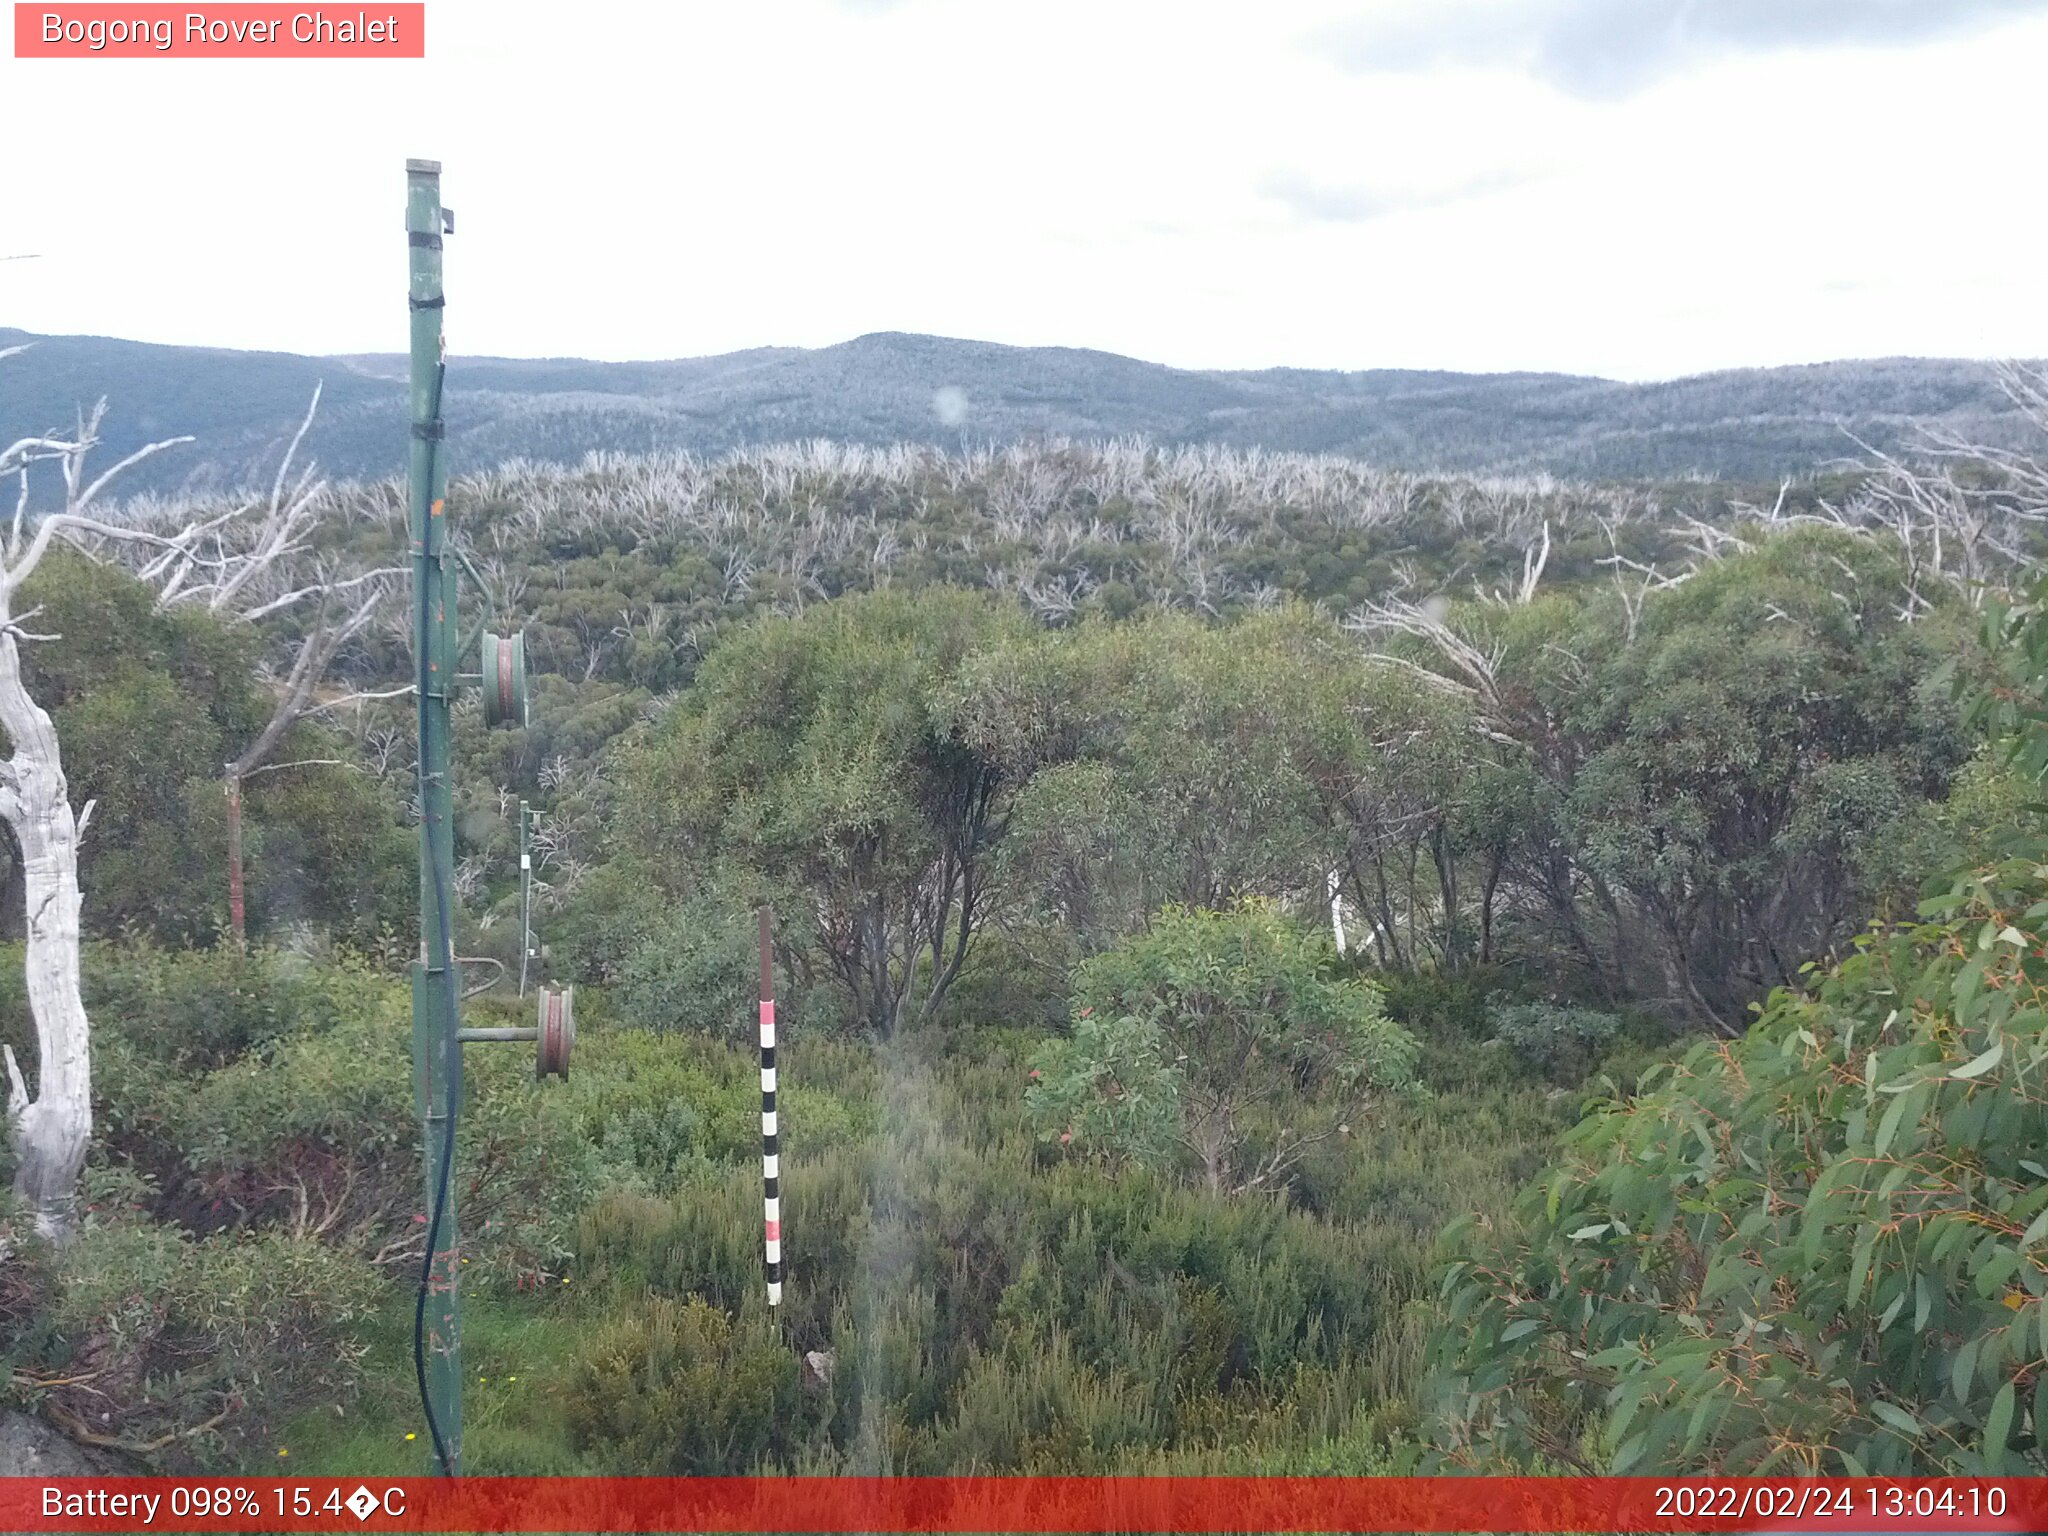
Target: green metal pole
[[437, 1054]]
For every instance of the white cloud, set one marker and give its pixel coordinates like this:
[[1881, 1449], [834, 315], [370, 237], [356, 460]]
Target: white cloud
[[1613, 48], [1360, 204]]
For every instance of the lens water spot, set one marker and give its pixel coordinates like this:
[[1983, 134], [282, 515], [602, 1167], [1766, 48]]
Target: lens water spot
[[949, 404]]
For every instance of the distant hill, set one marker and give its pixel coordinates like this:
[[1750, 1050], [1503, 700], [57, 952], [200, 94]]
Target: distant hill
[[1747, 425]]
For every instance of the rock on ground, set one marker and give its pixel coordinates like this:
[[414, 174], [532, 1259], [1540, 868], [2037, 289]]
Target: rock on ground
[[31, 1448]]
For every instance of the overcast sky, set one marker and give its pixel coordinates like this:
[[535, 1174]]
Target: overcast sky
[[1634, 188]]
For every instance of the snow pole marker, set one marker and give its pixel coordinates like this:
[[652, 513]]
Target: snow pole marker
[[771, 1158], [526, 946]]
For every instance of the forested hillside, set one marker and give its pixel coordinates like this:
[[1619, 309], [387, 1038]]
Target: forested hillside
[[1287, 965], [878, 390]]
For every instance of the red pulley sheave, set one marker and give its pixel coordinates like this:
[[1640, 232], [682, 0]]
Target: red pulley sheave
[[503, 682], [557, 1032]]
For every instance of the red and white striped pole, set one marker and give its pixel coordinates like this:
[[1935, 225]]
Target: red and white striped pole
[[771, 1158]]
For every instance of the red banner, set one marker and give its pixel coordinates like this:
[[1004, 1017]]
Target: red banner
[[1023, 1504], [230, 31]]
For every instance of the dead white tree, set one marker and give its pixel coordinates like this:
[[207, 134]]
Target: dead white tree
[[51, 1129], [1647, 579], [235, 564], [1473, 666], [1965, 515], [249, 571], [1535, 557]]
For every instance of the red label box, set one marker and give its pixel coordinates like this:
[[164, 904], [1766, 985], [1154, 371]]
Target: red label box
[[229, 31]]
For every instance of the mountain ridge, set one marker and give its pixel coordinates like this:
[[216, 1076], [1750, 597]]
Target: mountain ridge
[[1748, 425]]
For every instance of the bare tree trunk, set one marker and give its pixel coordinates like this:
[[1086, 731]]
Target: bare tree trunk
[[295, 702], [50, 1133], [1447, 889], [1486, 900], [1395, 954], [238, 923]]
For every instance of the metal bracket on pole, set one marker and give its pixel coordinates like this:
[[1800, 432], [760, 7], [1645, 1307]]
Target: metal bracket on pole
[[554, 1036]]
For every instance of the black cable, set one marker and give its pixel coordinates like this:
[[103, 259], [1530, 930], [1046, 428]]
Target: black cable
[[447, 959]]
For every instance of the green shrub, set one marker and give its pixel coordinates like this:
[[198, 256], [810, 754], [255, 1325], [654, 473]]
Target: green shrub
[[185, 1351], [694, 966], [1558, 1040], [150, 701], [678, 1388], [292, 1109], [1219, 1039], [1816, 1248], [188, 1010], [657, 1106], [990, 1307], [1444, 1006], [1047, 1413]]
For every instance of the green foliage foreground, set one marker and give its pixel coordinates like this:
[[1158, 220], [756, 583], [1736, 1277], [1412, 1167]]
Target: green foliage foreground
[[1818, 1248]]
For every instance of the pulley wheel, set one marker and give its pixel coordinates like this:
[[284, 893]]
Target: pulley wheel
[[504, 679], [557, 1032]]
